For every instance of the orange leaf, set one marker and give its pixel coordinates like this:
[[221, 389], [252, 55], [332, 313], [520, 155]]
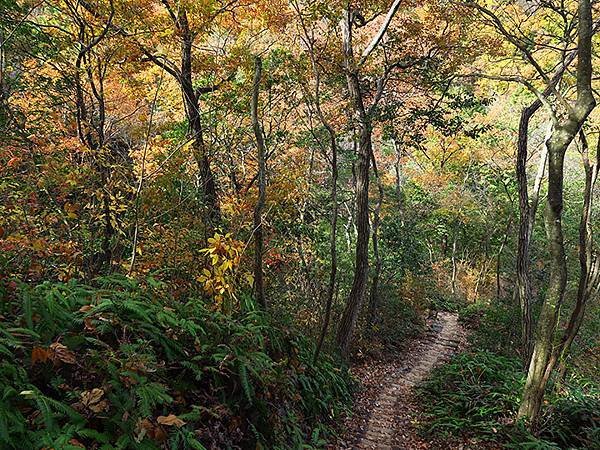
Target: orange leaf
[[39, 354], [160, 435], [12, 162], [170, 420]]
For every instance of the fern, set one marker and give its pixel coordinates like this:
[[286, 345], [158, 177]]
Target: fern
[[142, 350], [151, 395]]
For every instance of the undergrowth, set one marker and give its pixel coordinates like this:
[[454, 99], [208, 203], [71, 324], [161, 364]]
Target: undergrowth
[[121, 365], [477, 394], [396, 322], [492, 327]]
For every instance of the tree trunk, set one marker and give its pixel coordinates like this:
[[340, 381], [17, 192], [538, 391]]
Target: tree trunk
[[91, 122], [262, 186], [363, 126], [589, 275], [499, 256], [527, 215], [523, 287], [541, 366], [332, 243], [374, 300], [398, 170], [453, 280], [331, 286], [192, 110], [536, 378], [527, 212]]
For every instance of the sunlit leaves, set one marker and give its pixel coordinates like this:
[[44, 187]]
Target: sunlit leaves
[[222, 276]]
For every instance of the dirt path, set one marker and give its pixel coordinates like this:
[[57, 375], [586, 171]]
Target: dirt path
[[390, 423]]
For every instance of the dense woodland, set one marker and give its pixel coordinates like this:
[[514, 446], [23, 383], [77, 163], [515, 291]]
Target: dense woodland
[[214, 212]]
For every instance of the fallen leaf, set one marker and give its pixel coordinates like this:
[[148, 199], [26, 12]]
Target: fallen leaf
[[146, 428], [39, 354], [93, 400], [12, 162], [88, 324], [76, 443], [62, 353], [159, 435], [170, 420]]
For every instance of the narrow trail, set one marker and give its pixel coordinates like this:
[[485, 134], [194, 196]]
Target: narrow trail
[[390, 421]]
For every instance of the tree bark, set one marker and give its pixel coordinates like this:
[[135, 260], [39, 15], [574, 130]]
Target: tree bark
[[331, 286], [262, 186], [91, 122], [332, 242], [523, 286], [528, 211], [527, 215]]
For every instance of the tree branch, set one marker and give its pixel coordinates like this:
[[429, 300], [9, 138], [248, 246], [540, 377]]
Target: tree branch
[[382, 30]]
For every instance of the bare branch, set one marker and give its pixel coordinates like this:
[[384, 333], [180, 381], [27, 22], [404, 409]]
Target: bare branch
[[382, 30]]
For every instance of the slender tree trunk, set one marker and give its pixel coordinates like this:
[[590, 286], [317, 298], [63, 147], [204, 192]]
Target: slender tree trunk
[[527, 215], [331, 286], [567, 127], [192, 110], [363, 126], [536, 379], [374, 298], [453, 280], [589, 274], [527, 211], [332, 243], [262, 186], [499, 257], [91, 123], [398, 171]]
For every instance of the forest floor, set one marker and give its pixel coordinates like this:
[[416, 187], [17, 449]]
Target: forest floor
[[386, 414]]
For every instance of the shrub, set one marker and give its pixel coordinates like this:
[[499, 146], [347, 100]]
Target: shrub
[[121, 365]]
